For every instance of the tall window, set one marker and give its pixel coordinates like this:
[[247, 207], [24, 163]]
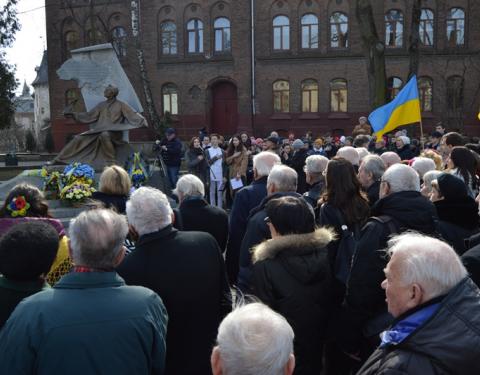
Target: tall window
[[455, 93], [394, 28], [281, 33], [168, 38], [195, 36], [73, 100], [394, 84], [426, 27], [119, 41], [222, 35], [309, 96], [71, 40], [309, 31], [281, 96], [456, 27], [170, 99], [338, 95], [425, 91], [94, 36], [338, 30]]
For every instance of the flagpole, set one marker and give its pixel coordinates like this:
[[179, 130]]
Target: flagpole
[[422, 142]]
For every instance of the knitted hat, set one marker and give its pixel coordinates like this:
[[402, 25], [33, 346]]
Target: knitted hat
[[451, 187], [297, 144], [405, 139], [273, 139]]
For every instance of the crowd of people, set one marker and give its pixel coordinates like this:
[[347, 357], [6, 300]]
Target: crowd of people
[[309, 256]]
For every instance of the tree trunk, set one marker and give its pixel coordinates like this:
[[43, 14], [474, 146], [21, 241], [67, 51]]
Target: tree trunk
[[375, 53], [151, 110], [413, 48]]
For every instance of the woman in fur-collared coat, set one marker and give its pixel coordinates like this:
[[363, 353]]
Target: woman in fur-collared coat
[[291, 274]]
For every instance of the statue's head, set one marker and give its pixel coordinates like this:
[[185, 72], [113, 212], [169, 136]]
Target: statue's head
[[110, 91]]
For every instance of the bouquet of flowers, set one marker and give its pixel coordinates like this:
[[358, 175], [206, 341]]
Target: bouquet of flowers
[[77, 191], [77, 171], [137, 170]]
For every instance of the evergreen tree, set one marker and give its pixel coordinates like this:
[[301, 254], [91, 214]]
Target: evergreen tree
[[8, 27]]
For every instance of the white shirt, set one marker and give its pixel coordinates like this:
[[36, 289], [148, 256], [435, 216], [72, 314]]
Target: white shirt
[[216, 171]]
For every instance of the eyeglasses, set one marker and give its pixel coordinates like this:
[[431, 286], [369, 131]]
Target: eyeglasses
[[267, 220]]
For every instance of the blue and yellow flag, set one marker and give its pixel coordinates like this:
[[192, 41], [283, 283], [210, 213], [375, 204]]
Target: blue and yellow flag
[[403, 110]]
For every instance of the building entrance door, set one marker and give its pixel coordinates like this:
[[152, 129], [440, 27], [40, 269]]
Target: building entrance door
[[224, 117]]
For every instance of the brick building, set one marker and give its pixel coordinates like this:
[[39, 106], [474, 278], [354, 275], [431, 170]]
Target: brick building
[[308, 69]]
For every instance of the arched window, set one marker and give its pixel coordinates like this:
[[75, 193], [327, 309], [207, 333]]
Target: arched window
[[455, 93], [170, 99], [394, 28], [425, 91], [309, 96], [119, 41], [74, 101], [281, 33], [281, 96], [338, 30], [222, 35], [168, 38], [309, 31], [394, 84], [195, 36], [94, 36], [456, 27], [338, 95], [71, 40], [426, 27]]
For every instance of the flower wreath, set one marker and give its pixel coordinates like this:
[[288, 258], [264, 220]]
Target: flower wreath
[[18, 206]]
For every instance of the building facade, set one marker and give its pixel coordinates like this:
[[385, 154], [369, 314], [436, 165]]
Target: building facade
[[24, 110], [260, 65]]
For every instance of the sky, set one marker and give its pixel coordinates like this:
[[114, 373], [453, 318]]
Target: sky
[[27, 50]]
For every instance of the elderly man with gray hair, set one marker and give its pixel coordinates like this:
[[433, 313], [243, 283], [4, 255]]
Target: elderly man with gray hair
[[254, 340], [401, 207], [314, 167], [196, 214], [186, 269], [90, 322], [436, 309], [369, 174], [282, 181], [351, 154], [245, 200]]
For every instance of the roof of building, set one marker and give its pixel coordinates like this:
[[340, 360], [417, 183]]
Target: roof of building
[[24, 103], [42, 72]]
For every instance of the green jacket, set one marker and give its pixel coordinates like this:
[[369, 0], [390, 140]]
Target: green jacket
[[89, 323], [12, 292]]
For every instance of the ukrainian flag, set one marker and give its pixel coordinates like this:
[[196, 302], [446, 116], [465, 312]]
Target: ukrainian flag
[[403, 110]]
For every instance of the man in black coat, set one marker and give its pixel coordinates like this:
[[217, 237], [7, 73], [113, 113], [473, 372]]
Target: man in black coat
[[401, 207], [370, 172], [195, 212], [245, 200], [186, 269], [171, 148], [436, 308], [314, 168], [282, 181]]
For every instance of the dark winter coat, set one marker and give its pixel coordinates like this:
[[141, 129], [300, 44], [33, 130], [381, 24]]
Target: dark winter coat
[[257, 231], [198, 215], [291, 275], [246, 199], [13, 292], [173, 156], [118, 202], [196, 166], [458, 220], [373, 193], [365, 299], [313, 194], [297, 163], [88, 323], [405, 152], [186, 269], [446, 344]]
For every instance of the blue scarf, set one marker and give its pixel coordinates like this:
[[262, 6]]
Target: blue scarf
[[405, 327]]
